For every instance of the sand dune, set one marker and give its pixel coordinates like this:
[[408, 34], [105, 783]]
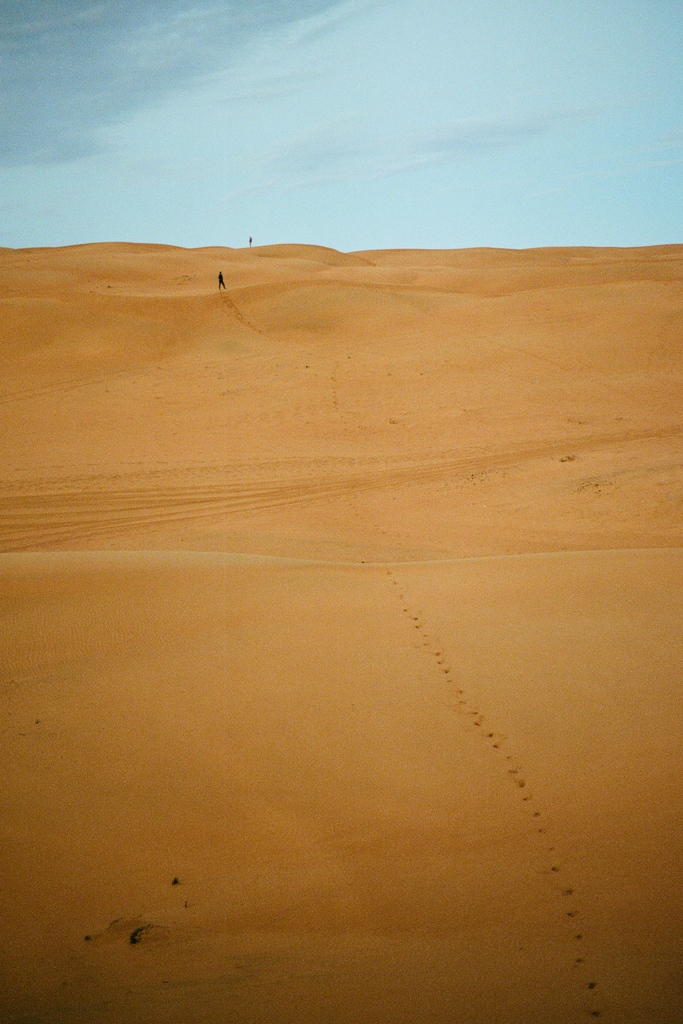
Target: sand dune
[[341, 635]]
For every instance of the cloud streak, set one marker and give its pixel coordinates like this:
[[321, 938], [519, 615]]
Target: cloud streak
[[348, 147], [71, 67]]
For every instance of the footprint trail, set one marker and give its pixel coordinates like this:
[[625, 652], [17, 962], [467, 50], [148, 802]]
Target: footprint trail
[[496, 742]]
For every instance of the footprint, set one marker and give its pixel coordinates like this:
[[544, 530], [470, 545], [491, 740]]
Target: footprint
[[130, 930], [512, 770], [148, 933]]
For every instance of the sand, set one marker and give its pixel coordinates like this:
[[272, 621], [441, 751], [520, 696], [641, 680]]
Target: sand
[[340, 635]]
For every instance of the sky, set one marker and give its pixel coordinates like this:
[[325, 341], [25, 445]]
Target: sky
[[357, 124]]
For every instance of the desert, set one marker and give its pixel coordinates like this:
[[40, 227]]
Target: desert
[[340, 635]]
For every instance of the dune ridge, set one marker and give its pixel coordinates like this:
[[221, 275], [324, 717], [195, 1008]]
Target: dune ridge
[[340, 646]]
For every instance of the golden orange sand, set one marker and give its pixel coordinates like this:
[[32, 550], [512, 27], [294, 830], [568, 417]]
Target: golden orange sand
[[341, 646]]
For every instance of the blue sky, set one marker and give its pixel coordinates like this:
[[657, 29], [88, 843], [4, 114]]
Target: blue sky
[[355, 124]]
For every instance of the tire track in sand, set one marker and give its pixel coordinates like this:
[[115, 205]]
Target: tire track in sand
[[499, 755], [73, 510], [63, 386]]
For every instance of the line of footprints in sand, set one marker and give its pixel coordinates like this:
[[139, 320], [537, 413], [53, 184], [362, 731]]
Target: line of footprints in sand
[[495, 741]]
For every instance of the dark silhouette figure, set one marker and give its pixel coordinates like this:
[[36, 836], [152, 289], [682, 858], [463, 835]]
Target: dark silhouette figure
[[221, 282], [250, 241]]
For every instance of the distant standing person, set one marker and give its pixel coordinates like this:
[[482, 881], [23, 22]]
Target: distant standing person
[[221, 282], [250, 241]]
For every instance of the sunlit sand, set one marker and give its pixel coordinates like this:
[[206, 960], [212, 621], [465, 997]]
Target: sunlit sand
[[341, 644]]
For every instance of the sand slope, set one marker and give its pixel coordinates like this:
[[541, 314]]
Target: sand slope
[[389, 405], [348, 599]]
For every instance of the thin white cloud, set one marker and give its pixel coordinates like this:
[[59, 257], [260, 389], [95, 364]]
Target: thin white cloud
[[318, 25], [349, 147], [69, 68], [672, 139], [50, 17], [272, 86], [563, 181]]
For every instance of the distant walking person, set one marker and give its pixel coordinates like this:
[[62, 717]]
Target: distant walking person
[[221, 282], [250, 241]]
